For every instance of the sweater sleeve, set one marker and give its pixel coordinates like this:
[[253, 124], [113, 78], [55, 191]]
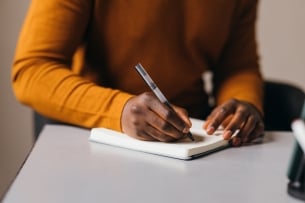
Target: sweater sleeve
[[42, 77], [238, 75]]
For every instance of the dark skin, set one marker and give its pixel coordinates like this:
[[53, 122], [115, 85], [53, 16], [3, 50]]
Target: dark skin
[[235, 114], [145, 118]]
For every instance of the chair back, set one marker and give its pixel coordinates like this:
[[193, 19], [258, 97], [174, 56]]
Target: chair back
[[283, 103]]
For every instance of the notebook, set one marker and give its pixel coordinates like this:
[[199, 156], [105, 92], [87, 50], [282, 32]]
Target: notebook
[[182, 149]]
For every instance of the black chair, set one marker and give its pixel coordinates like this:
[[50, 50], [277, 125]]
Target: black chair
[[282, 103]]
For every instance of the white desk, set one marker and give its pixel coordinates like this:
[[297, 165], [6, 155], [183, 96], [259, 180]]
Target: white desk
[[64, 167]]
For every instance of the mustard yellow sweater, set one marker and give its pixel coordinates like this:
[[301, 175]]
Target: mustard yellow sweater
[[75, 59]]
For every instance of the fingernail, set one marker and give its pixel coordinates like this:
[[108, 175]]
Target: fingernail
[[210, 129], [185, 130], [227, 134], [236, 141]]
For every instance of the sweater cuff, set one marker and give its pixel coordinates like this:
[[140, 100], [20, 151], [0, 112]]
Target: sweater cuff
[[114, 121]]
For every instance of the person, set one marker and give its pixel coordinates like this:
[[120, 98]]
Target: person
[[75, 61]]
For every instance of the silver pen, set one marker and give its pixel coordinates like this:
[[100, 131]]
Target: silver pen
[[156, 91]]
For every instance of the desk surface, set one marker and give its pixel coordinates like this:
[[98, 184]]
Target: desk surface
[[64, 167]]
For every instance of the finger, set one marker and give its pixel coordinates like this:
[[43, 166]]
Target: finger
[[236, 141], [254, 135], [257, 134], [220, 114], [149, 133], [239, 119], [247, 129], [207, 123], [161, 129], [167, 114], [158, 135], [210, 117], [143, 135], [226, 122]]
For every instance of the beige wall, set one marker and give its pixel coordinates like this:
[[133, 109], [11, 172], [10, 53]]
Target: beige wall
[[15, 120], [281, 31], [281, 36]]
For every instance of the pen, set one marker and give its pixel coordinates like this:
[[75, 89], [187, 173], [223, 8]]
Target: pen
[[156, 91]]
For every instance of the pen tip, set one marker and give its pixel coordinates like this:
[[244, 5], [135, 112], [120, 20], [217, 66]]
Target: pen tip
[[191, 136]]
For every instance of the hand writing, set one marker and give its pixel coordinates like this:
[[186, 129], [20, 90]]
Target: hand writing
[[144, 117]]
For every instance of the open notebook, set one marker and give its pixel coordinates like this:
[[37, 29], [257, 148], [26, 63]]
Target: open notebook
[[182, 149]]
